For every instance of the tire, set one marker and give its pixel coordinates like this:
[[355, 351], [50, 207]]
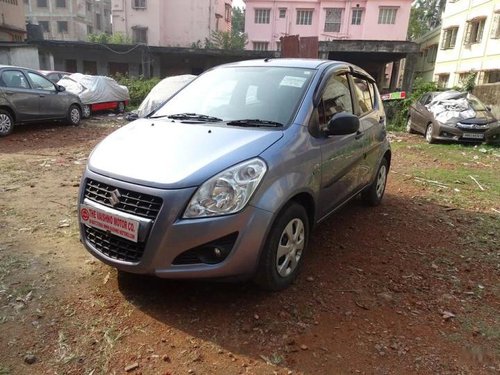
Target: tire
[[428, 134], [6, 123], [86, 111], [408, 126], [120, 107], [74, 115], [373, 195], [283, 252]]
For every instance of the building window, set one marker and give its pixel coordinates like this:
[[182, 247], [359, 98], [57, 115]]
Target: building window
[[449, 37], [260, 46], [90, 67], [282, 12], [90, 29], [278, 46], [443, 79], [474, 31], [139, 4], [61, 4], [41, 3], [495, 28], [262, 15], [89, 6], [431, 53], [304, 17], [62, 26], [387, 16], [333, 20], [98, 21], [45, 25], [357, 13], [227, 12], [491, 76], [140, 34]]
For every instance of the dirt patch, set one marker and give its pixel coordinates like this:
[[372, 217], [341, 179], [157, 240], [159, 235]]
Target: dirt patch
[[408, 287]]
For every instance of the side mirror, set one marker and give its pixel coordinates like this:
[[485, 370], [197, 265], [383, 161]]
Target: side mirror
[[342, 123], [60, 88]]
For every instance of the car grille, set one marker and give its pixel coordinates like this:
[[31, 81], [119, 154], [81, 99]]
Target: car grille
[[139, 204], [113, 246]]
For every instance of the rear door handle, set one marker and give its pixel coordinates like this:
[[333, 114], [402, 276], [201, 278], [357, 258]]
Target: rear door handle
[[9, 92], [359, 135]]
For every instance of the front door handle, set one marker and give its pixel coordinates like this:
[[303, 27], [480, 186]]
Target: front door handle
[[359, 135]]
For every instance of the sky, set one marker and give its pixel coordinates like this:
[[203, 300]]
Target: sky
[[238, 3]]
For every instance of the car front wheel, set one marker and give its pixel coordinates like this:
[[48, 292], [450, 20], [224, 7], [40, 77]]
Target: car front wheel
[[428, 134], [86, 111], [6, 123], [74, 115], [282, 255]]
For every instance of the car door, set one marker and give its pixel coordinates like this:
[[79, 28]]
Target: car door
[[368, 107], [340, 154], [18, 93], [52, 105]]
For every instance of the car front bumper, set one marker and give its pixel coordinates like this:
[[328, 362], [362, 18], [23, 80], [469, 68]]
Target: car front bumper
[[489, 134], [170, 244]]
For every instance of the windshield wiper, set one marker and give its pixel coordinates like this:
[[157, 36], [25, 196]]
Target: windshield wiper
[[191, 116], [255, 123]]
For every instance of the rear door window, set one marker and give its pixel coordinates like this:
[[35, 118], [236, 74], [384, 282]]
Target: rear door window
[[363, 94], [14, 79]]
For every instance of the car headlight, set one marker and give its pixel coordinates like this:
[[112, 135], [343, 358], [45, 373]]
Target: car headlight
[[228, 192]]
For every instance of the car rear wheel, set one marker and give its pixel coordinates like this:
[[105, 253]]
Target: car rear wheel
[[74, 115], [86, 111], [373, 195], [283, 252], [120, 108], [408, 126], [6, 123], [428, 134]]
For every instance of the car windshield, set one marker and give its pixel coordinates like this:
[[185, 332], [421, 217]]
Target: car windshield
[[475, 103], [264, 94]]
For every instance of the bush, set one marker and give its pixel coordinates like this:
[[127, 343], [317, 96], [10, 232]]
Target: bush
[[138, 87], [397, 110]]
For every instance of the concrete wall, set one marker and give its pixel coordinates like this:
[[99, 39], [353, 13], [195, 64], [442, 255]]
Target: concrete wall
[[26, 56], [489, 94], [12, 25]]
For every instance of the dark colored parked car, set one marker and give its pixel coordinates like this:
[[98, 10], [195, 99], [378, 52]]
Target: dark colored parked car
[[453, 116], [28, 96], [227, 178]]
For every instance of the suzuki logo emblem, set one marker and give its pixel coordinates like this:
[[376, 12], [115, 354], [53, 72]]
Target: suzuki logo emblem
[[115, 197]]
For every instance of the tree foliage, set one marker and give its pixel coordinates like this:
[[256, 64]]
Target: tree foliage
[[116, 38], [238, 20], [425, 15]]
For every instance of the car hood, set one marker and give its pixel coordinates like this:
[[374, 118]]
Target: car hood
[[165, 154], [481, 118]]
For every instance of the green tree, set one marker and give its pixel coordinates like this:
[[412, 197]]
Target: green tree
[[425, 16], [103, 38], [238, 20], [226, 40]]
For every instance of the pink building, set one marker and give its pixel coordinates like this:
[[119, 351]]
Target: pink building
[[329, 20], [175, 23]]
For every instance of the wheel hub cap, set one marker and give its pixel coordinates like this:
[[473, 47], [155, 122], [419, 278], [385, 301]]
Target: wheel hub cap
[[290, 247], [5, 123]]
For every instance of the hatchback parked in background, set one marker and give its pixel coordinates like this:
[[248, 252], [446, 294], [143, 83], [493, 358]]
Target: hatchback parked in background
[[229, 176], [28, 96], [453, 116]]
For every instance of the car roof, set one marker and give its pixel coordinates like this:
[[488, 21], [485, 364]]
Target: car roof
[[297, 63]]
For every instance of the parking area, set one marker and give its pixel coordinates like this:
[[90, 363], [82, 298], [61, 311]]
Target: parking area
[[410, 286]]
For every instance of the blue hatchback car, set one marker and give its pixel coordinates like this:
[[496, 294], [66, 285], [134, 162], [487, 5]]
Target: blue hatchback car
[[228, 177]]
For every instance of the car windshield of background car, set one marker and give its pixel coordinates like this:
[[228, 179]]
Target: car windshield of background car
[[476, 104], [235, 93]]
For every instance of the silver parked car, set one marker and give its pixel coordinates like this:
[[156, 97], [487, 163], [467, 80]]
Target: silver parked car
[[228, 177], [28, 96]]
